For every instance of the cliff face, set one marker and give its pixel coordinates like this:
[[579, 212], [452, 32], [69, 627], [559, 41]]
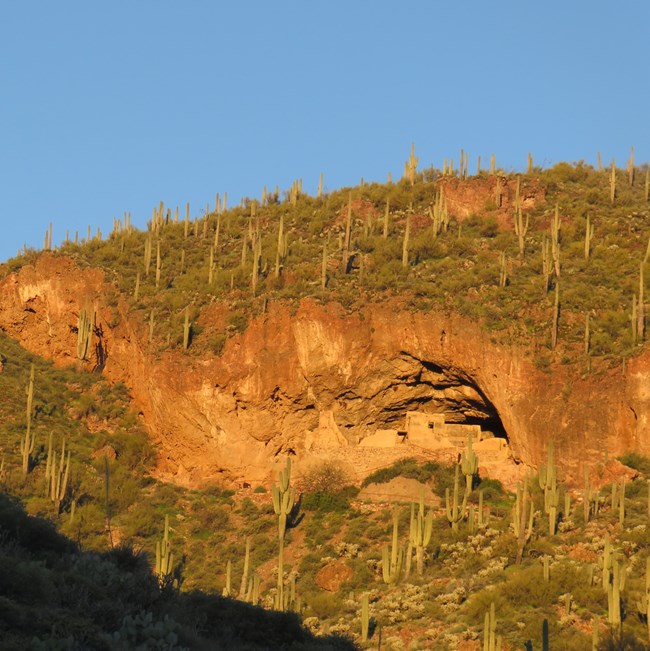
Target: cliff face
[[318, 378]]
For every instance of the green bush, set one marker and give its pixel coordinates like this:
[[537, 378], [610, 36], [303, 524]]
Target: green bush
[[637, 461], [409, 468], [325, 501]]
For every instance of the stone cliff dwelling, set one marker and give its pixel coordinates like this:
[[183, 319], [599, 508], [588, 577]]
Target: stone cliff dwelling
[[425, 436], [430, 431]]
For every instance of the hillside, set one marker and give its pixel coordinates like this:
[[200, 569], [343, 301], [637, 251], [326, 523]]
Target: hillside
[[364, 304], [363, 334]]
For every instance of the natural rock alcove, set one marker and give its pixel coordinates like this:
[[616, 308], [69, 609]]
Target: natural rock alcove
[[405, 384]]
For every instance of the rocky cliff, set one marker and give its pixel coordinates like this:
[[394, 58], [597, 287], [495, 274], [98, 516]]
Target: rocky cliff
[[317, 378]]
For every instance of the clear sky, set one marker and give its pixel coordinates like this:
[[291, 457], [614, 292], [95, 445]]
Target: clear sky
[[114, 106]]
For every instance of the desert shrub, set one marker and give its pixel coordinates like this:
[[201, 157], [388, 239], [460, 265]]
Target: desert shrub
[[408, 468], [325, 501], [493, 490], [325, 605], [637, 461], [324, 477], [444, 476], [248, 508]]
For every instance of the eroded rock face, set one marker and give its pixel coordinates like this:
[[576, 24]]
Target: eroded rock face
[[321, 379]]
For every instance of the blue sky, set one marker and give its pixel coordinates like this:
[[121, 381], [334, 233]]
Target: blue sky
[[113, 107]]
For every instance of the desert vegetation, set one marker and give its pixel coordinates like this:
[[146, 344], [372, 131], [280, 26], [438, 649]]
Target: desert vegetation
[[549, 259], [567, 564]]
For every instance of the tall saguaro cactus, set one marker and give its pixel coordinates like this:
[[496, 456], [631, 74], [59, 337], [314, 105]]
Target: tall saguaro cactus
[[280, 250], [283, 496], [187, 329], [631, 168], [405, 243], [556, 316], [455, 511], [164, 557], [411, 165], [346, 240], [523, 518], [244, 579], [521, 227], [589, 235], [85, 326], [56, 476], [393, 558], [490, 640], [469, 465], [640, 312], [365, 618], [323, 268], [27, 441], [556, 225], [503, 270], [386, 215], [420, 532]]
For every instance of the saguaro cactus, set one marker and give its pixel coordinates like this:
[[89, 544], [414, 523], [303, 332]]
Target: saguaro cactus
[[346, 241], [498, 193], [187, 329], [411, 165], [455, 512], [614, 589], [556, 316], [548, 483], [556, 225], [630, 168], [640, 312], [147, 254], [589, 235], [244, 579], [280, 250], [85, 326], [490, 640], [323, 268], [386, 215], [227, 589], [164, 557], [523, 517], [365, 618], [27, 441], [56, 477], [546, 263], [393, 558], [643, 604], [283, 496], [521, 228], [158, 264], [503, 270], [469, 465], [405, 243], [420, 532]]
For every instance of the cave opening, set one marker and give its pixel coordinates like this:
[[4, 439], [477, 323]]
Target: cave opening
[[436, 391], [463, 398]]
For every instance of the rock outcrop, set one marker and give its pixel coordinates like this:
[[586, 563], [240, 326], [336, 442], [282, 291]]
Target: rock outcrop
[[316, 379]]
